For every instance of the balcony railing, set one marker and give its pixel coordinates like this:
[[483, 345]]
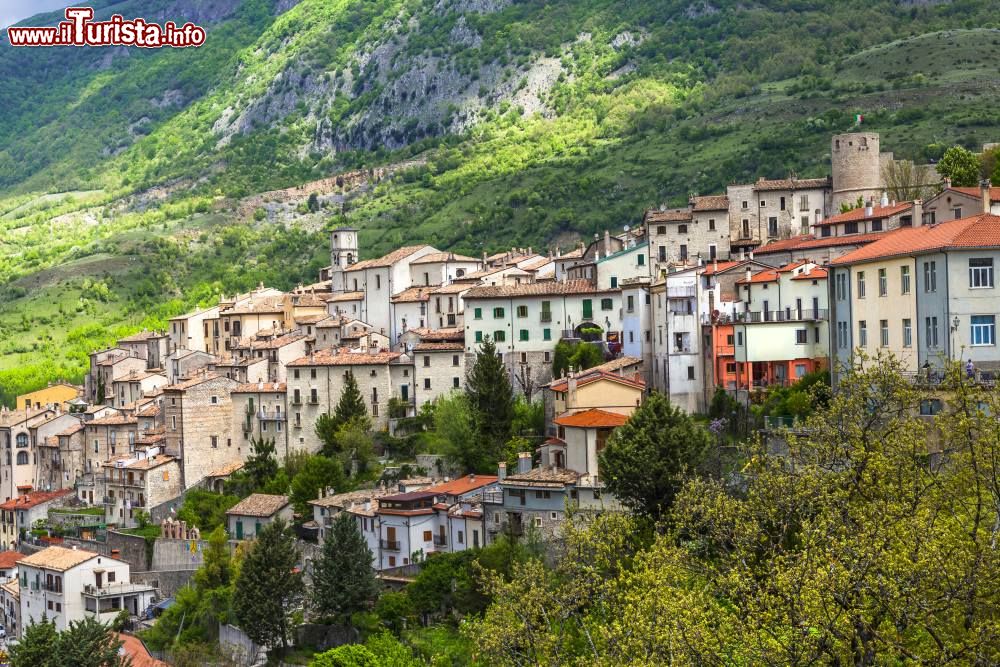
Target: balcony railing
[[440, 540], [276, 416], [390, 545], [681, 292], [296, 400], [804, 315]]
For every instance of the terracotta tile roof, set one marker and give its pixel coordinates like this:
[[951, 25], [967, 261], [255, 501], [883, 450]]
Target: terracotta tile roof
[[260, 388], [711, 269], [977, 231], [412, 295], [814, 274], [138, 652], [791, 266], [193, 382], [51, 441], [590, 376], [33, 499], [142, 336], [710, 203], [439, 347], [535, 289], [114, 420], [462, 485], [542, 476], [75, 428], [259, 504], [331, 322], [592, 418], [226, 470], [386, 260], [345, 500], [452, 288], [977, 193], [345, 296], [616, 364], [766, 276], [440, 335], [673, 215], [58, 558], [536, 264], [344, 357], [441, 257], [801, 243], [258, 305], [572, 254], [12, 587], [8, 559], [150, 410], [275, 343], [860, 213], [147, 463], [792, 183], [485, 273], [310, 319]]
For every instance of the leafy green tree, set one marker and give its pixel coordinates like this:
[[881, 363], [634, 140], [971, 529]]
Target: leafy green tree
[[394, 609], [351, 404], [205, 509], [355, 443], [260, 468], [648, 459], [575, 356], [326, 431], [343, 579], [84, 643], [268, 586], [37, 647], [318, 473], [349, 655], [454, 433], [491, 399], [961, 165]]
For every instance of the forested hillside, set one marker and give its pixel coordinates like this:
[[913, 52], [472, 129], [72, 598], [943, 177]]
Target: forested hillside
[[121, 171]]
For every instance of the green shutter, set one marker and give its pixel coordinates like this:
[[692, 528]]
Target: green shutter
[[479, 336], [479, 313], [524, 334], [588, 309], [546, 334]]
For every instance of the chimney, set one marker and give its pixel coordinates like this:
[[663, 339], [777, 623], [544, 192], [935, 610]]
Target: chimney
[[749, 274], [918, 212], [885, 200], [947, 182], [869, 208], [523, 463], [502, 471], [571, 392], [715, 265], [984, 192], [607, 242]]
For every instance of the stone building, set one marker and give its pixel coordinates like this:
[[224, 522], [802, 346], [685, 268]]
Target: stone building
[[246, 518], [198, 414], [139, 482], [260, 412]]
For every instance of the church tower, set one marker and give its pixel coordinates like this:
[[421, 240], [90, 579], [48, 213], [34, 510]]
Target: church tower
[[343, 253]]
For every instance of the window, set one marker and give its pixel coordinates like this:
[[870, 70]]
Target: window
[[662, 255], [863, 333], [215, 442], [841, 286], [746, 228], [690, 372], [522, 311], [804, 224], [907, 333], [861, 284], [850, 228], [546, 334], [713, 252], [427, 383], [454, 360], [763, 203], [984, 330], [904, 279], [427, 361], [499, 336], [883, 283], [739, 338], [980, 273], [498, 313], [662, 229], [876, 225], [22, 458], [682, 229], [296, 374], [588, 309], [930, 276], [958, 212], [931, 327], [683, 252], [801, 336], [607, 304], [803, 202], [312, 373], [479, 336], [826, 231], [378, 281], [455, 382], [730, 367], [930, 407], [614, 282], [711, 224], [772, 226], [883, 327], [478, 313], [641, 260], [523, 336]]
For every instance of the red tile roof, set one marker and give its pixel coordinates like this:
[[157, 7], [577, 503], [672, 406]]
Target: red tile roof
[[593, 418], [453, 334], [439, 347], [345, 358], [8, 559], [413, 295], [33, 499], [138, 652], [457, 487], [588, 377], [767, 276], [861, 213], [977, 193], [441, 257], [535, 289], [114, 420], [346, 296], [710, 203], [792, 183], [260, 388], [386, 260], [711, 269], [673, 215], [814, 274], [806, 242], [977, 231]]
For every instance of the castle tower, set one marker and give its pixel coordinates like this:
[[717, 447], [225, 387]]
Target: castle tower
[[856, 167], [343, 253]]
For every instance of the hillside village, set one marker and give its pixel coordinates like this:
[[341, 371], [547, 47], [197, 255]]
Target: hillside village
[[746, 290]]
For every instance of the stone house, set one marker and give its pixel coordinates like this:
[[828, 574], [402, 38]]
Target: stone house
[[626, 264], [129, 388], [187, 332], [106, 367], [954, 203], [183, 364], [244, 370], [870, 219], [438, 370], [198, 414], [139, 482], [410, 309], [152, 346], [260, 412], [447, 305], [61, 458], [17, 437], [18, 515], [246, 518], [440, 268]]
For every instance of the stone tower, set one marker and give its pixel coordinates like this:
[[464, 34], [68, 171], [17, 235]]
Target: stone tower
[[343, 253], [856, 167]]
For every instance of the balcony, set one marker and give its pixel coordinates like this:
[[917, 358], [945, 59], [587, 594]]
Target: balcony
[[389, 545], [296, 400], [804, 315], [314, 400], [275, 416], [440, 540], [684, 292], [545, 317]]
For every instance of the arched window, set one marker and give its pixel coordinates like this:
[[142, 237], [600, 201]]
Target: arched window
[[22, 439], [22, 458]]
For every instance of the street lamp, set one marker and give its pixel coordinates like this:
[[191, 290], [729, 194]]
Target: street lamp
[[954, 327]]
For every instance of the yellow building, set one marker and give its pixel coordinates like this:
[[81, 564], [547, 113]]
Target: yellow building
[[58, 393]]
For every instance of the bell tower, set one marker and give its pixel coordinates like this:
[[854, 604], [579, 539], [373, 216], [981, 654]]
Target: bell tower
[[343, 253]]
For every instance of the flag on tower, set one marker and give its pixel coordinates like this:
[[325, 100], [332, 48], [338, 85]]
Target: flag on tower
[[858, 118]]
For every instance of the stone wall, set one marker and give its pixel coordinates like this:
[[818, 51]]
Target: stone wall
[[167, 582]]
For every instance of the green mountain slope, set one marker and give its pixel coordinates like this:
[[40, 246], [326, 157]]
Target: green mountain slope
[[535, 122]]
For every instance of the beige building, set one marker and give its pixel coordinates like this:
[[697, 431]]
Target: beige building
[[260, 412], [187, 332], [17, 437], [953, 203], [198, 415], [57, 393], [248, 517], [18, 515], [139, 482], [128, 389]]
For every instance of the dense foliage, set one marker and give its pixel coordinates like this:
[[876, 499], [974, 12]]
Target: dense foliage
[[343, 581]]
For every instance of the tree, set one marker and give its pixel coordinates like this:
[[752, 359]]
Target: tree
[[313, 202], [904, 181], [454, 433], [960, 165], [351, 405], [343, 579], [349, 655], [317, 473], [84, 643], [260, 468], [648, 459], [575, 357], [205, 509], [37, 648], [491, 400], [268, 586]]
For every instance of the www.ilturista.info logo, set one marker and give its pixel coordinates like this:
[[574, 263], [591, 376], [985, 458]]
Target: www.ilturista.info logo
[[79, 29]]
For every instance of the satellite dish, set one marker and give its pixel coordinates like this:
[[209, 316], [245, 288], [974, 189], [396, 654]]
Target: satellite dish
[[626, 228]]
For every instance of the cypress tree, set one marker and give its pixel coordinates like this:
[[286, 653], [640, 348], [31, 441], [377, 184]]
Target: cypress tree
[[268, 586], [351, 405], [343, 580], [491, 398]]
